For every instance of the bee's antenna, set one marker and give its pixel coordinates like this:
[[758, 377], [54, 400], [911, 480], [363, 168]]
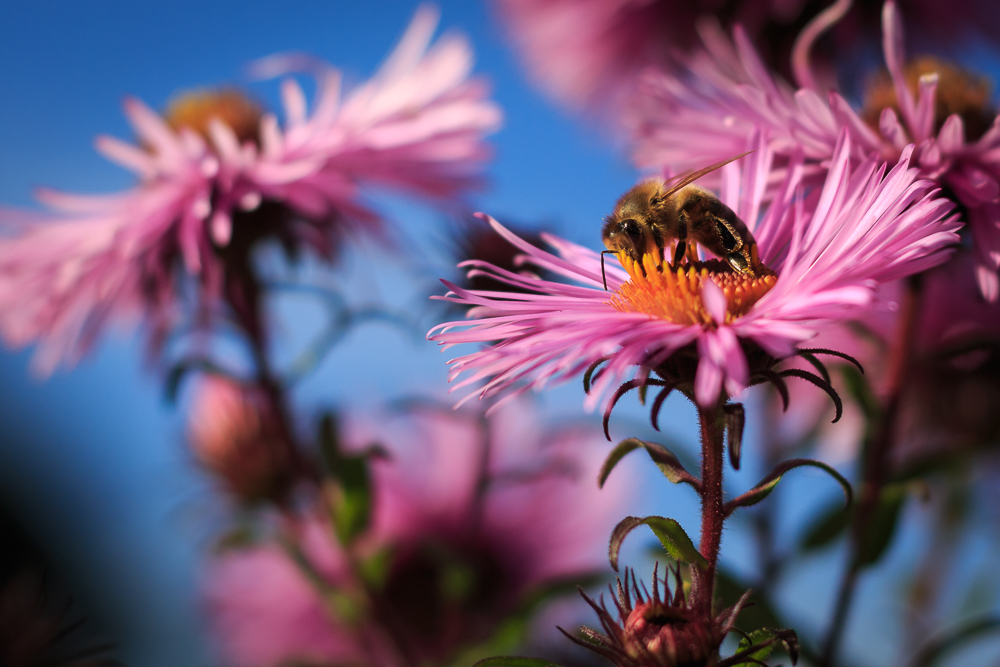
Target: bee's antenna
[[604, 276]]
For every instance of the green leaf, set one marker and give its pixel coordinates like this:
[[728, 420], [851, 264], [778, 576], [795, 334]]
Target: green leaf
[[859, 388], [883, 524], [670, 533], [664, 459], [514, 661], [832, 523], [350, 499], [932, 652], [754, 638], [759, 645], [374, 569], [348, 484], [766, 485]]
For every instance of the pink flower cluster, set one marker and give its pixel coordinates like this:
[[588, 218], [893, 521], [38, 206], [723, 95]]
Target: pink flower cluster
[[724, 95]]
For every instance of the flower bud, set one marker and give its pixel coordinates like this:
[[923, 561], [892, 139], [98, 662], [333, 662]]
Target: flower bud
[[659, 634], [657, 630], [235, 434]]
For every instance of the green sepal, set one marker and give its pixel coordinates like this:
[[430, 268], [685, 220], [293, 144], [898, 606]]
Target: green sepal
[[735, 416], [589, 373]]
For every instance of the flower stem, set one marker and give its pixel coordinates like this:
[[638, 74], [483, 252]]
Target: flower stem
[[245, 298], [712, 515], [876, 464]]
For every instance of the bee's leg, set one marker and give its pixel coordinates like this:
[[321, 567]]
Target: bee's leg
[[739, 262], [682, 246], [692, 253], [679, 252], [730, 238]]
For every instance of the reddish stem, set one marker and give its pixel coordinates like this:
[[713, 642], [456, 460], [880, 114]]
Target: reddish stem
[[712, 513], [876, 465]]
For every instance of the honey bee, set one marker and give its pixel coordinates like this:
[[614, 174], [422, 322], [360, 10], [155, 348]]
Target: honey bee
[[652, 216]]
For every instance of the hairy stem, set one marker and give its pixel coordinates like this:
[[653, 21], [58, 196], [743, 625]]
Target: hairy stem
[[876, 463], [712, 514]]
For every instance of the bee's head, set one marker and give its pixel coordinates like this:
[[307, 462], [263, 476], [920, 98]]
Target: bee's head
[[632, 227]]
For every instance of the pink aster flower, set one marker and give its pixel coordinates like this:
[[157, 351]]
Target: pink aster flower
[[699, 326], [725, 95], [459, 496], [216, 175], [590, 52]]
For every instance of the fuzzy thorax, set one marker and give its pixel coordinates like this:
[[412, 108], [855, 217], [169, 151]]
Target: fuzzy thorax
[[675, 294]]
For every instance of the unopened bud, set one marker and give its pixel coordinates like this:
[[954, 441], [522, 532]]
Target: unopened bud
[[234, 433]]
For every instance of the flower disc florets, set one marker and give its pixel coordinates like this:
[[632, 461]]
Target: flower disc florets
[[675, 294], [959, 92], [197, 109]]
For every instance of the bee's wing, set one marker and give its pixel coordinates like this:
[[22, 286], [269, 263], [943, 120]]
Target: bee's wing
[[687, 179]]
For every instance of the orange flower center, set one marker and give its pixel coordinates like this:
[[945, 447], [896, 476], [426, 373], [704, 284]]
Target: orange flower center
[[958, 92], [674, 294], [196, 109]]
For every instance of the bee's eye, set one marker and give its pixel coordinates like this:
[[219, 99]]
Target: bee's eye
[[631, 228]]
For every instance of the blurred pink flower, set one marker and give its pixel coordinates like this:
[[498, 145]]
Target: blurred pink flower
[[263, 612], [462, 501], [591, 52], [207, 190], [725, 96], [861, 228]]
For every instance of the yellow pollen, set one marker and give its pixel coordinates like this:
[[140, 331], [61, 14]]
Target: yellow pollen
[[196, 109], [674, 294]]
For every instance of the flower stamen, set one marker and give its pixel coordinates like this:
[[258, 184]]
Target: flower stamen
[[675, 293]]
